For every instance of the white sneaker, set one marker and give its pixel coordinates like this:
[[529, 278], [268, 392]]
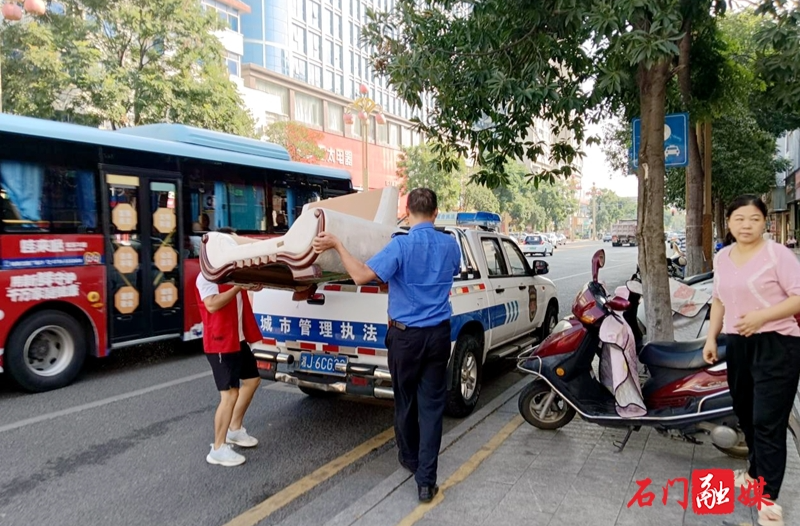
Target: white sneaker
[[241, 438], [224, 456], [741, 478]]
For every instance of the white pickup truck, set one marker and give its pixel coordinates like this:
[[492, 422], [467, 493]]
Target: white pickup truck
[[334, 342]]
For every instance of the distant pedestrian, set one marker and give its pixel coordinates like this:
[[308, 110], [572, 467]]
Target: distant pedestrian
[[756, 296], [419, 268], [228, 327]]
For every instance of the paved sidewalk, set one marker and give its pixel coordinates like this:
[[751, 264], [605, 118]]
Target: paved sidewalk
[[503, 471]]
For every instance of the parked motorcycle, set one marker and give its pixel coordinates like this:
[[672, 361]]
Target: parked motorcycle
[[676, 266], [682, 396], [691, 305]]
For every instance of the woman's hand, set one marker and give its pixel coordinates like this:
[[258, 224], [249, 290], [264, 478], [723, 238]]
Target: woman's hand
[[710, 352], [750, 323]]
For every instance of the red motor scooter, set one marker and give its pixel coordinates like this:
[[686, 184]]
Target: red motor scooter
[[681, 396]]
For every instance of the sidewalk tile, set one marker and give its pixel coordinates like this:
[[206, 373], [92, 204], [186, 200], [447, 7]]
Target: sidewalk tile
[[469, 502], [505, 466], [579, 507]]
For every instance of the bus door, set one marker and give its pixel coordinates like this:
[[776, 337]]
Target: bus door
[[144, 262]]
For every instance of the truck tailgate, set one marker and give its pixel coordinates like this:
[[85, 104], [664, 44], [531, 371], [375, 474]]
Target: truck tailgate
[[325, 325]]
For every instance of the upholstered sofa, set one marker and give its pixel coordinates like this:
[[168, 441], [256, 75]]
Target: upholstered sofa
[[364, 222]]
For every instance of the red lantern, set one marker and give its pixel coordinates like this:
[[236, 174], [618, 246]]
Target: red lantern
[[380, 119], [362, 115], [363, 89], [12, 11], [348, 118], [36, 7]]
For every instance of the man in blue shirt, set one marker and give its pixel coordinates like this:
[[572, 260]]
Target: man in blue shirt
[[419, 268]]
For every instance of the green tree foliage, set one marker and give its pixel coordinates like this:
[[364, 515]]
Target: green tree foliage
[[491, 67], [743, 138], [419, 167], [300, 141], [546, 207], [558, 203], [742, 161], [611, 208], [777, 41], [476, 197], [125, 62]]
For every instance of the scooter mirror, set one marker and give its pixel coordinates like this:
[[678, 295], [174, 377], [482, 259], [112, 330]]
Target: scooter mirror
[[635, 287], [598, 262]]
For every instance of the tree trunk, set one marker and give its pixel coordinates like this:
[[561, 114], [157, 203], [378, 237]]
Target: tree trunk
[[650, 228], [694, 171], [719, 215]]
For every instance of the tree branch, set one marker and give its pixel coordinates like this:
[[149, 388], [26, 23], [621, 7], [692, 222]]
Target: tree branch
[[492, 52]]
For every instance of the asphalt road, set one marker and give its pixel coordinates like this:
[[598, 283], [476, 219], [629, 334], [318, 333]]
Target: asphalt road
[[126, 443]]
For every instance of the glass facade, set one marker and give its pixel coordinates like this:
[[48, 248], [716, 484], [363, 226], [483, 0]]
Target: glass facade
[[318, 42], [267, 34]]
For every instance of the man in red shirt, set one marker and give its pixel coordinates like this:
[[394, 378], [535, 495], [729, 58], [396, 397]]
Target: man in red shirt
[[228, 327]]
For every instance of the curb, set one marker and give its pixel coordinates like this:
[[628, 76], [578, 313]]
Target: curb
[[374, 497]]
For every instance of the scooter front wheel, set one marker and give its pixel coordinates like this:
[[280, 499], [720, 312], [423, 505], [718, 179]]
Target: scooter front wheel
[[542, 408]]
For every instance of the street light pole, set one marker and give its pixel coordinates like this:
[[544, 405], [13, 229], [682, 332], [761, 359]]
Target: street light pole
[[594, 193], [13, 12], [364, 107]]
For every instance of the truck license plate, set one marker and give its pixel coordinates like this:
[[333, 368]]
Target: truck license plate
[[320, 363]]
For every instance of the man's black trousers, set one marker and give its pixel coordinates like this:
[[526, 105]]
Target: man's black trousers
[[763, 372], [418, 363]]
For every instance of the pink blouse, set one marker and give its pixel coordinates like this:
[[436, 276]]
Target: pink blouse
[[770, 277]]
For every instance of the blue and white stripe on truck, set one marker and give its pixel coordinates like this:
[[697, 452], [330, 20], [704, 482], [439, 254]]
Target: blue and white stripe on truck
[[345, 333]]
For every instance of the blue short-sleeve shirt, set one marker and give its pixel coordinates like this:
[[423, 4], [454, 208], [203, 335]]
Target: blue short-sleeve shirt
[[419, 268]]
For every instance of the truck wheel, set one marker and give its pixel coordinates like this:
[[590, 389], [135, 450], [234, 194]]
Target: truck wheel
[[532, 401], [467, 372], [46, 351], [549, 323], [317, 393]]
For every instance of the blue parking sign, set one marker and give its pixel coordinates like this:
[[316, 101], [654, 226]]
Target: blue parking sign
[[676, 140]]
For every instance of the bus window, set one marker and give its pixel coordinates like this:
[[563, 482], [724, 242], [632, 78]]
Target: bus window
[[287, 205], [246, 210], [43, 198], [278, 214]]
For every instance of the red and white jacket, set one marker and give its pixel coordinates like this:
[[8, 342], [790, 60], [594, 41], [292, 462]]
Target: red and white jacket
[[224, 329]]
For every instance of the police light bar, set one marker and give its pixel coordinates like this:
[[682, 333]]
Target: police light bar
[[485, 220]]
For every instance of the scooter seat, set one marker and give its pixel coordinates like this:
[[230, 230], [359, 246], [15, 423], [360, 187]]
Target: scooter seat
[[679, 355], [698, 278]]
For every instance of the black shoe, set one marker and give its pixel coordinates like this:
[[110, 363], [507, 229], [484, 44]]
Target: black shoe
[[405, 464], [426, 493]]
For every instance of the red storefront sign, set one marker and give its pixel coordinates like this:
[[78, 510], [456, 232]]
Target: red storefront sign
[[346, 153]]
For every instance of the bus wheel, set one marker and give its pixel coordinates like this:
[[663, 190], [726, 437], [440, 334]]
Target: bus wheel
[[46, 351]]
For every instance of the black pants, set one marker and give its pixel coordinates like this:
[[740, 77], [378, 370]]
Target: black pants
[[418, 364], [763, 372]]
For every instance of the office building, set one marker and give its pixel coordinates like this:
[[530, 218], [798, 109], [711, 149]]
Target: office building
[[302, 60]]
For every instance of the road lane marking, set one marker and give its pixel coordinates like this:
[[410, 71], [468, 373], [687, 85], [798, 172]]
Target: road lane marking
[[464, 471], [584, 273], [261, 511], [100, 403]]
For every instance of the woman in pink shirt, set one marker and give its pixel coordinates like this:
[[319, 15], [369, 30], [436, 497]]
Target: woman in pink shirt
[[756, 295]]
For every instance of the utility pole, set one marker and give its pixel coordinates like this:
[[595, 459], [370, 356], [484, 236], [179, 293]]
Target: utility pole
[[594, 193]]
